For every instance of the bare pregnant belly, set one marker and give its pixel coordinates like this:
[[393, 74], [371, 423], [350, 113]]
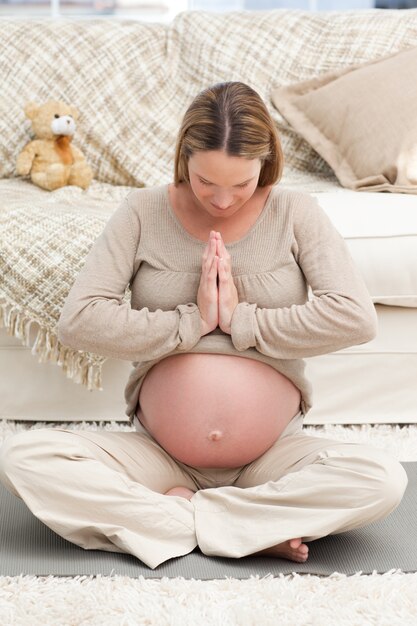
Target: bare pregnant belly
[[215, 410]]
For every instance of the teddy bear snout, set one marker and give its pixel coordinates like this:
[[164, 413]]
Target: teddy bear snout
[[63, 125]]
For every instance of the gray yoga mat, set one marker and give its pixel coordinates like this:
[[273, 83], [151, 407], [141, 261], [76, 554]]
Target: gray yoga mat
[[27, 546]]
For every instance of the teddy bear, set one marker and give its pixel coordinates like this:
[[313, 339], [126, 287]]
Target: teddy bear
[[50, 159]]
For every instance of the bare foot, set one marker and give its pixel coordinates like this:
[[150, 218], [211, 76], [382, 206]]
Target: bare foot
[[183, 492], [293, 550]]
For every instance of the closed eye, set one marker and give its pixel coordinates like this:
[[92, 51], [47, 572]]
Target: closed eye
[[242, 186]]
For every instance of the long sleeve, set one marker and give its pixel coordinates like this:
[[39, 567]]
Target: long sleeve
[[95, 317], [340, 312]]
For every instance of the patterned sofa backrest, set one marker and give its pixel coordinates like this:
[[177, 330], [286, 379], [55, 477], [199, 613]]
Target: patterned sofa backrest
[[269, 49], [110, 70], [133, 81]]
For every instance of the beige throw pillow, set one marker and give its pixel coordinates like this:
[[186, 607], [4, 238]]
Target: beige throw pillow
[[362, 120]]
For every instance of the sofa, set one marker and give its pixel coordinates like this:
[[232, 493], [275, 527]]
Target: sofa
[[131, 82]]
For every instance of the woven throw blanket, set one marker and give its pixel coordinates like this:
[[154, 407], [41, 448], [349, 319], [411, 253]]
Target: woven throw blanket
[[44, 240], [133, 81]]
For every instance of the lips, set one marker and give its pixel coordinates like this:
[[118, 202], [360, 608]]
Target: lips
[[219, 208]]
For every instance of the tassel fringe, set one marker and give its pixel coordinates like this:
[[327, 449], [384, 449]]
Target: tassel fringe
[[75, 364]]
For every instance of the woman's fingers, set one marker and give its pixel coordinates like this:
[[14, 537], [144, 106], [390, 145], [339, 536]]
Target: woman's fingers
[[222, 252], [215, 247], [228, 296], [207, 296], [212, 273], [209, 247]]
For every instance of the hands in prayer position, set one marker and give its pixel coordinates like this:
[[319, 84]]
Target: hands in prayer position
[[217, 295]]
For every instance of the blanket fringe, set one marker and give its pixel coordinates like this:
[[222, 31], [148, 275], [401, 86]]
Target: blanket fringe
[[75, 364]]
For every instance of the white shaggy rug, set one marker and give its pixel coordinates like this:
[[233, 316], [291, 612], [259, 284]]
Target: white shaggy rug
[[361, 600]]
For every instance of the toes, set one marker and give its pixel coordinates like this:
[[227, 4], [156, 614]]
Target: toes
[[292, 549], [297, 545], [299, 550], [300, 558], [303, 554]]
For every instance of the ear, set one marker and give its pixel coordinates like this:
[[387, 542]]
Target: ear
[[31, 110], [74, 112]]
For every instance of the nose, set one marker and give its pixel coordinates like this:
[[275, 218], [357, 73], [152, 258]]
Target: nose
[[222, 201]]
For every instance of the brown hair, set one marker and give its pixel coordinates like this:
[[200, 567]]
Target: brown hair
[[231, 117]]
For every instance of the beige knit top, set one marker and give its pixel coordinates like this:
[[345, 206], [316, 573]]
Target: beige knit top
[[300, 293]]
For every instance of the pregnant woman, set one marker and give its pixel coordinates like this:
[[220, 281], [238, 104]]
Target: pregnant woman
[[234, 280]]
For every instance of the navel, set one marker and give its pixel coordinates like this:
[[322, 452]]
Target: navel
[[215, 435]]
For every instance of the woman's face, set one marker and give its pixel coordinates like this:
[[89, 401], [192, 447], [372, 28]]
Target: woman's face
[[222, 184]]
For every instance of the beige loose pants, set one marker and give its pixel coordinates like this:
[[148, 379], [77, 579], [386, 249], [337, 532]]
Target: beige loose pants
[[104, 491]]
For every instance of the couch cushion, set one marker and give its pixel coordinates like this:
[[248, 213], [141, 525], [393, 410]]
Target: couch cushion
[[362, 120], [132, 81], [381, 232]]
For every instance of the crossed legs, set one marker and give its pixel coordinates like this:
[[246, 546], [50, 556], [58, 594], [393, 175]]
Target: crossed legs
[[108, 491]]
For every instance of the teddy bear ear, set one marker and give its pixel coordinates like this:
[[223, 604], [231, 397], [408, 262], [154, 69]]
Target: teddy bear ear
[[74, 112], [31, 109]]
